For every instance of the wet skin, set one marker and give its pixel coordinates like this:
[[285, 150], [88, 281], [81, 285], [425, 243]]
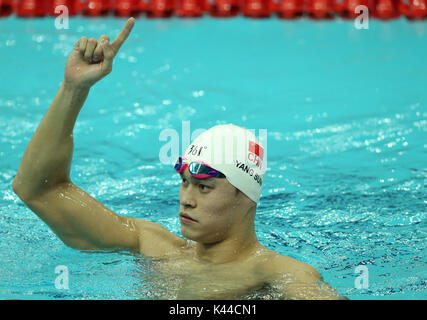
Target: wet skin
[[225, 259]]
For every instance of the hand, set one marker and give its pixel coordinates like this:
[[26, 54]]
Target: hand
[[92, 60]]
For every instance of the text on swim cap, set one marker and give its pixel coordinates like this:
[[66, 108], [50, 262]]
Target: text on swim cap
[[249, 171], [195, 150]]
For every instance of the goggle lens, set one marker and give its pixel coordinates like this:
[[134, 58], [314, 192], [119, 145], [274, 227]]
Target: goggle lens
[[197, 169]]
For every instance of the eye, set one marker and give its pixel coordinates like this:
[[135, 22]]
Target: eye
[[204, 187], [184, 181]]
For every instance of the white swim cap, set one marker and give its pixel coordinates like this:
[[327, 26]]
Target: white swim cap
[[235, 152]]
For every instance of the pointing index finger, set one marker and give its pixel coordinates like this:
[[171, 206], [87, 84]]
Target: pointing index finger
[[123, 35]]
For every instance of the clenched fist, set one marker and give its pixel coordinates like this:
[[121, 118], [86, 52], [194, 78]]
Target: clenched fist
[[91, 60]]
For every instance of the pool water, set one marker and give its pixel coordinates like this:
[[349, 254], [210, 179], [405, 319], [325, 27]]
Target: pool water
[[345, 112]]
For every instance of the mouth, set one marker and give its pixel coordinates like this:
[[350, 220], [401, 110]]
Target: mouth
[[185, 218]]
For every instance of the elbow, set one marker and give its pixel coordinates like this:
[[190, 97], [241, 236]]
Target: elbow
[[15, 186], [18, 188]]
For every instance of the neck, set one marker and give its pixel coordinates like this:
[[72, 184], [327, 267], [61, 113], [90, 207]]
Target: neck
[[230, 249]]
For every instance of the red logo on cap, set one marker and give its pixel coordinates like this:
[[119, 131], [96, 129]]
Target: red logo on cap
[[257, 149], [256, 153]]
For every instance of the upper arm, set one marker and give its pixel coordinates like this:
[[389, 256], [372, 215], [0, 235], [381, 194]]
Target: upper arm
[[82, 222], [155, 240]]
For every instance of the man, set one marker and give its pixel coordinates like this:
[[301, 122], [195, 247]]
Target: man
[[218, 197]]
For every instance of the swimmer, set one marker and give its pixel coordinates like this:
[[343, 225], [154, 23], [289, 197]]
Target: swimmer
[[220, 256]]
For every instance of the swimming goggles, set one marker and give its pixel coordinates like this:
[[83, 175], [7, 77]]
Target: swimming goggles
[[198, 170]]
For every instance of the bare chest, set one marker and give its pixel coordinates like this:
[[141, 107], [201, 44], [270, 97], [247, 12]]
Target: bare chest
[[187, 279]]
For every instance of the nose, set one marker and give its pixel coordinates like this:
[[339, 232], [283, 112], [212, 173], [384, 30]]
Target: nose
[[186, 197]]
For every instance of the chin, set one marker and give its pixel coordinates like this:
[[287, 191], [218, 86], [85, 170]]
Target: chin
[[188, 234], [191, 235]]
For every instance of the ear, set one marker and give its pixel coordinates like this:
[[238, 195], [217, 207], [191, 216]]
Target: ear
[[243, 199], [250, 202]]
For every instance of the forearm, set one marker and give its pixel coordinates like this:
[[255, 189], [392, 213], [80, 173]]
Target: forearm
[[47, 159]]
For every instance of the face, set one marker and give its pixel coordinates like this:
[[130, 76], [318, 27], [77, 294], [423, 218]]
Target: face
[[213, 204]]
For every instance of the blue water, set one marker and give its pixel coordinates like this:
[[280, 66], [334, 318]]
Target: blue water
[[345, 112]]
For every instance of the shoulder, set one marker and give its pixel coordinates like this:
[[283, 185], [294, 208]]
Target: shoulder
[[277, 265], [296, 279], [155, 240]]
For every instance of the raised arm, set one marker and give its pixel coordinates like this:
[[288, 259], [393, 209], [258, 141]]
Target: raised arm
[[43, 178]]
